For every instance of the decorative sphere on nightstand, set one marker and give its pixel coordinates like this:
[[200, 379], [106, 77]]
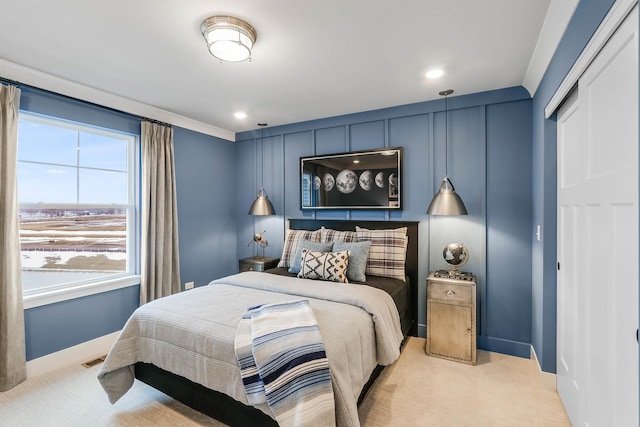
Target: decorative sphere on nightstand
[[456, 255]]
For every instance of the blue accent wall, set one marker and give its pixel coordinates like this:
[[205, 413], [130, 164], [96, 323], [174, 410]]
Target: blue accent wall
[[585, 21], [53, 327], [205, 186], [489, 163], [50, 104], [509, 215]]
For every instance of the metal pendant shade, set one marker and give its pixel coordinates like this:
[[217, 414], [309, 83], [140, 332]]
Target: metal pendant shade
[[446, 201], [262, 205]]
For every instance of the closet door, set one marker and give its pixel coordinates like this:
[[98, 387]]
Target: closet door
[[598, 238]]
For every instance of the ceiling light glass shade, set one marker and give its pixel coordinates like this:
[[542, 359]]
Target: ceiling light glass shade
[[262, 205], [228, 38], [447, 201]]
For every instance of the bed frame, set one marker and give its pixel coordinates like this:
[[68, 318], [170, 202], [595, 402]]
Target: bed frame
[[411, 263], [228, 410]]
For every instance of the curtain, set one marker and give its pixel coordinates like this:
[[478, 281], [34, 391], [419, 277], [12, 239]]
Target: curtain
[[13, 364], [160, 261]]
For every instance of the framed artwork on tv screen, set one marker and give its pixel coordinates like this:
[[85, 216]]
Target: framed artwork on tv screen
[[370, 179]]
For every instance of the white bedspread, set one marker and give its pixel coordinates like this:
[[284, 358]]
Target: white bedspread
[[192, 335]]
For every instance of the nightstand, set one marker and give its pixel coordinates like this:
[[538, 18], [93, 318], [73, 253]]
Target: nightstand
[[451, 316], [257, 263]]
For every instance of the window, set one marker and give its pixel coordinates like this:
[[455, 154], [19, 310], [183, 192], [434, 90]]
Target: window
[[77, 193]]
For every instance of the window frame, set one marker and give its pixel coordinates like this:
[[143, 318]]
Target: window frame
[[131, 277]]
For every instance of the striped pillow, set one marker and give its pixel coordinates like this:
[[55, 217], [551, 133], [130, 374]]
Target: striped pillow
[[329, 235], [291, 244], [387, 253], [329, 266]]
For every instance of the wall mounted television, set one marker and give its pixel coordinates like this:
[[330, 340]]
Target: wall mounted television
[[369, 179]]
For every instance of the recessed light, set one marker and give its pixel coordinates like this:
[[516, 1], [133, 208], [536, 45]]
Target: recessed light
[[240, 115], [356, 161], [434, 74]]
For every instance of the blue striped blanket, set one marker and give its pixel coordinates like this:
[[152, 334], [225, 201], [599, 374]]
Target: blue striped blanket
[[283, 363]]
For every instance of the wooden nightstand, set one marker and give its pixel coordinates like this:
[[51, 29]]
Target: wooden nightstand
[[257, 263], [451, 316]]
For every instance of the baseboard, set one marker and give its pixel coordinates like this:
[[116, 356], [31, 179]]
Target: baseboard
[[547, 379], [499, 345], [75, 355], [512, 348], [422, 330]]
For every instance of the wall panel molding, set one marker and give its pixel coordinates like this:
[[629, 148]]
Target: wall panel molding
[[420, 131]]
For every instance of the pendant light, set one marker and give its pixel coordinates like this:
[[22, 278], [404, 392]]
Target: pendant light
[[446, 201], [262, 205]]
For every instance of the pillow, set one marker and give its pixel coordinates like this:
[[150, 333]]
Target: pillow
[[329, 266], [387, 253], [357, 260], [312, 246], [329, 235], [291, 244]]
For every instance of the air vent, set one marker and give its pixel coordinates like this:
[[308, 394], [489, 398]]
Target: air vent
[[94, 362]]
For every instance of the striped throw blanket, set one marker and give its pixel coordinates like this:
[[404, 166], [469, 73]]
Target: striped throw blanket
[[283, 363]]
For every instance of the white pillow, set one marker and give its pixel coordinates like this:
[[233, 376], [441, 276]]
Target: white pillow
[[329, 266]]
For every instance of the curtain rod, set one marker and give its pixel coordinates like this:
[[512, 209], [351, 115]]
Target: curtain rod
[[114, 110]]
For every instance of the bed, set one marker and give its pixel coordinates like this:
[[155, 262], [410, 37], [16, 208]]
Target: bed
[[210, 384]]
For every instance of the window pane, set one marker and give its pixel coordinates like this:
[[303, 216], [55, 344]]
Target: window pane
[[46, 183], [41, 142], [71, 245], [98, 186], [70, 177], [104, 152]]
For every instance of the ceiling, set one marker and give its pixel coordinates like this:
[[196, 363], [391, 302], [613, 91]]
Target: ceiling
[[312, 59]]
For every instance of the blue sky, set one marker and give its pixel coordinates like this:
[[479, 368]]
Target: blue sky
[[65, 154]]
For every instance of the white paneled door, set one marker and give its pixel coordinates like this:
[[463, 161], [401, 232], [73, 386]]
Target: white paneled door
[[597, 350]]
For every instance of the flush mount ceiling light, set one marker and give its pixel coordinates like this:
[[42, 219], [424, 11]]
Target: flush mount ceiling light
[[228, 38]]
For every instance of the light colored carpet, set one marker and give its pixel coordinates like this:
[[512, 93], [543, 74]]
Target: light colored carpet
[[416, 391], [501, 390]]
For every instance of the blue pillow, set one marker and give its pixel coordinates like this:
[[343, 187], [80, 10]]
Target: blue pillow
[[296, 263], [357, 260]]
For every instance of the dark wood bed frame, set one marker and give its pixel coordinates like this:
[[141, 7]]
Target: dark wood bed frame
[[228, 410]]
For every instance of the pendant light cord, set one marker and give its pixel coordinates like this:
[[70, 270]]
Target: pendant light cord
[[446, 135], [262, 125], [446, 94]]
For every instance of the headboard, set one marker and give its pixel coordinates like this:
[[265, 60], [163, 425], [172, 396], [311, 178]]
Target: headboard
[[411, 263]]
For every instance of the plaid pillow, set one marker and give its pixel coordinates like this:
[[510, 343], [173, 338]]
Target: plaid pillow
[[387, 253], [329, 235], [329, 266], [291, 244]]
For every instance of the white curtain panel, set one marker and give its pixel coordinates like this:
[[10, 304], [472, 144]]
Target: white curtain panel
[[13, 365], [160, 261]]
